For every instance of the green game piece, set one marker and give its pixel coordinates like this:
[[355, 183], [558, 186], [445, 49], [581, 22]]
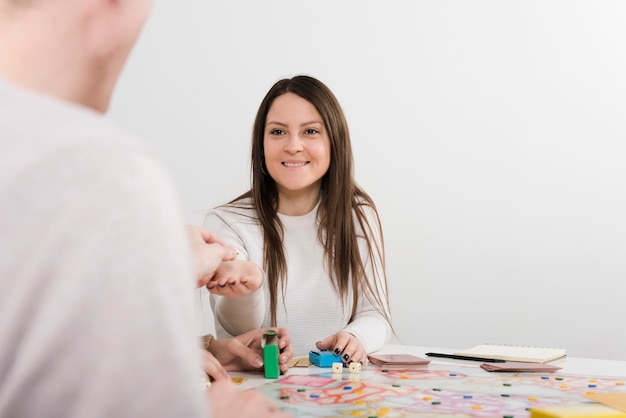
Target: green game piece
[[269, 342], [436, 402]]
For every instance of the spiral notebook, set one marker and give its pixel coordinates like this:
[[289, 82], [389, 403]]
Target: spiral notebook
[[515, 353]]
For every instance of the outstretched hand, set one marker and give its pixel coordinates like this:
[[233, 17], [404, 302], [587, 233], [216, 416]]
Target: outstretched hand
[[235, 278], [345, 344]]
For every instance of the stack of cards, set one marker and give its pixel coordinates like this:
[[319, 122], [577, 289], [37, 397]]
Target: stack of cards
[[518, 366], [388, 361]]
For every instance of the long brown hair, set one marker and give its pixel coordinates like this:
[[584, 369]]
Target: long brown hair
[[341, 206]]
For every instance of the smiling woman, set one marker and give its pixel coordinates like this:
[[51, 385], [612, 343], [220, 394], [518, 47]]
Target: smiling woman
[[498, 126], [310, 227]]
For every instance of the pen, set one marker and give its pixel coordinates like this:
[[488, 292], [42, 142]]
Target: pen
[[457, 357]]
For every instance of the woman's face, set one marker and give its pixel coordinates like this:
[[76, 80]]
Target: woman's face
[[296, 146]]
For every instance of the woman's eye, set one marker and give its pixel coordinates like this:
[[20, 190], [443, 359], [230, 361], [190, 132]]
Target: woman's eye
[[276, 132], [311, 131]]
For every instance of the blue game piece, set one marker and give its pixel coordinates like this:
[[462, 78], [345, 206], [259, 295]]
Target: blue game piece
[[324, 358]]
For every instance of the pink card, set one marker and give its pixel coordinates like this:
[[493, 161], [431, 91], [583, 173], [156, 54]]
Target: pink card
[[518, 366]]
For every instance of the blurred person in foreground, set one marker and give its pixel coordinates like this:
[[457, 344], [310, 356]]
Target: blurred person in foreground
[[96, 272]]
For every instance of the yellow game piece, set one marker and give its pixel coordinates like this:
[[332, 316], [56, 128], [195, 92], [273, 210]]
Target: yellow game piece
[[619, 383], [532, 398], [591, 410], [238, 380], [427, 398], [477, 407]]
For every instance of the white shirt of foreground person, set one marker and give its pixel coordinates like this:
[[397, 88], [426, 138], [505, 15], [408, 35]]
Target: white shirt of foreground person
[[95, 274], [96, 280]]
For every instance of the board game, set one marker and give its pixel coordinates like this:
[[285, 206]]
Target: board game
[[435, 391]]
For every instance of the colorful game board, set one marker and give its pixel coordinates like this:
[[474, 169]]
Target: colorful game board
[[436, 391]]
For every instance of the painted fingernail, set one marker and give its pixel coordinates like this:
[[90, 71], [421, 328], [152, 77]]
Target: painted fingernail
[[211, 287], [336, 351], [222, 285], [346, 357], [232, 283]]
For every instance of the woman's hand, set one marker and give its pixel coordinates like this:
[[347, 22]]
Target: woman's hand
[[345, 344], [235, 278], [243, 352]]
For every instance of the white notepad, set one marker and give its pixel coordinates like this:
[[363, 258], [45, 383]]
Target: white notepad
[[515, 353]]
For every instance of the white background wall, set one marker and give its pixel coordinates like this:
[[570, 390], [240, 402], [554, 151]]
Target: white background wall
[[491, 134]]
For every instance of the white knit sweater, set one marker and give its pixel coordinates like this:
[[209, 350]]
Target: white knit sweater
[[312, 309]]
